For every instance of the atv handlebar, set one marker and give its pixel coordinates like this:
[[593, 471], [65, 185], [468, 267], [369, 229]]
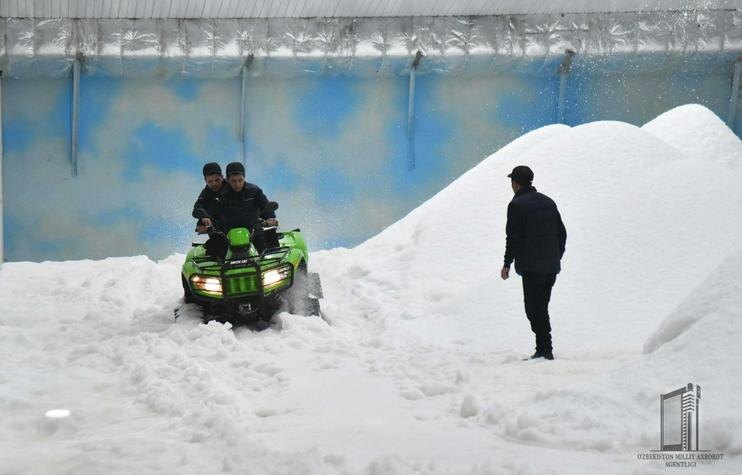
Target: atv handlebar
[[263, 223], [270, 206]]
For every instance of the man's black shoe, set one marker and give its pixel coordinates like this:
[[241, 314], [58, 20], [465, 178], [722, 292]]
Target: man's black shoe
[[538, 354]]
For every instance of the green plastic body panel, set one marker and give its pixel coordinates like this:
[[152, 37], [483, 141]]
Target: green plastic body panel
[[244, 281]]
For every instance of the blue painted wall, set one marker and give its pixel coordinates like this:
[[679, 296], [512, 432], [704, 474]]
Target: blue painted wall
[[331, 149]]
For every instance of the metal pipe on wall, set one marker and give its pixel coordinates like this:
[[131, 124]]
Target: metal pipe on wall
[[411, 113], [2, 243], [243, 108], [564, 70], [734, 97], [75, 113]]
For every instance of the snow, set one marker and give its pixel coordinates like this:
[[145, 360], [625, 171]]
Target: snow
[[418, 366], [696, 131], [718, 297], [702, 334], [469, 406]]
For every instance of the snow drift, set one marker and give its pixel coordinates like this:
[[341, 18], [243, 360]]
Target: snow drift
[[719, 297], [697, 132], [419, 369], [645, 225], [650, 212]]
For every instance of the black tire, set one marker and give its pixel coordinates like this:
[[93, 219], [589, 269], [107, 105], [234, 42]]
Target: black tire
[[303, 297], [187, 294]]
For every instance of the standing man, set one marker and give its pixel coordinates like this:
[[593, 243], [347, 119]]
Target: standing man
[[536, 239], [205, 202]]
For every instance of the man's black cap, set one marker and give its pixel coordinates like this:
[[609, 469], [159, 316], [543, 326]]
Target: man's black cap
[[235, 167], [212, 168], [522, 174]]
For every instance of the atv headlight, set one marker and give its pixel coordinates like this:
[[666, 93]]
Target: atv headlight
[[207, 283], [276, 275]]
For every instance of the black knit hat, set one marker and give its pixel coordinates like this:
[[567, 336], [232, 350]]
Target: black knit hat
[[212, 168], [235, 167], [522, 174]]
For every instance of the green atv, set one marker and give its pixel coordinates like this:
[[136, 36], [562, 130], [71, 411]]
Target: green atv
[[234, 283]]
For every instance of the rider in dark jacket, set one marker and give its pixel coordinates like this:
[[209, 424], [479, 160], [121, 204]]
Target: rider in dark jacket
[[242, 205], [215, 183]]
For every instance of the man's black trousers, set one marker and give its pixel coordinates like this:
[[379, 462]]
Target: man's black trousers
[[536, 295]]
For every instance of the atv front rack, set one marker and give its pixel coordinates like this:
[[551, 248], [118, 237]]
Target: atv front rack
[[244, 294], [236, 263]]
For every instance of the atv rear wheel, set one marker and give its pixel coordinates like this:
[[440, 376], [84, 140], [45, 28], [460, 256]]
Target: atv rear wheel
[[303, 297]]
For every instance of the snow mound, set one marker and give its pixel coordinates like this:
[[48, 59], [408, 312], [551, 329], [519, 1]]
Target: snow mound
[[637, 210], [720, 295], [644, 231], [696, 131]]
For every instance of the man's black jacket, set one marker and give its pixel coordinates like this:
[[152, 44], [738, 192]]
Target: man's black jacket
[[240, 209], [205, 202], [536, 236]]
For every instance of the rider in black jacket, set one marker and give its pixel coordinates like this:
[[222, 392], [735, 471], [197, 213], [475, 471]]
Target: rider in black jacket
[[215, 183], [242, 205]]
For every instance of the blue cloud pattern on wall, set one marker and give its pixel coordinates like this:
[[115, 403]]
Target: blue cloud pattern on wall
[[112, 216], [186, 89], [96, 100], [331, 149], [279, 176], [165, 149], [18, 134], [333, 188], [322, 111]]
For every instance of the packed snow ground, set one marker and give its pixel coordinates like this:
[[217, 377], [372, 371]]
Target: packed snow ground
[[418, 366]]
